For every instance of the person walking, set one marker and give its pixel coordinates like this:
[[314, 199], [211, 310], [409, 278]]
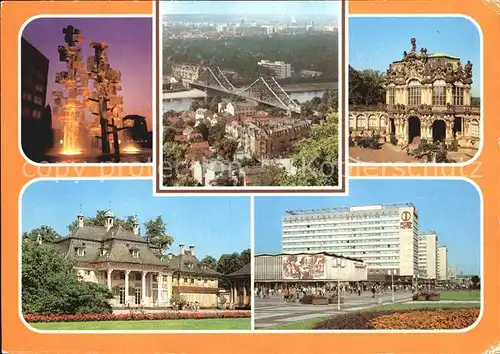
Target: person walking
[[373, 292]]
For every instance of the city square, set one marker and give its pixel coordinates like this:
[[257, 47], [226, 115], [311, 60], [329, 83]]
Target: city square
[[354, 267]]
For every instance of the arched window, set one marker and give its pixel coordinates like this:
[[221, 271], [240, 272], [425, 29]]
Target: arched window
[[414, 93], [361, 121], [352, 122], [458, 96], [474, 127], [372, 122], [382, 122], [439, 93]]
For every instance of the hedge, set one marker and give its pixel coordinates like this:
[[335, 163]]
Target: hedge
[[33, 318]]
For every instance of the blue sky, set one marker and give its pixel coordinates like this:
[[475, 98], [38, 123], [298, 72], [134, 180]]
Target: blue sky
[[270, 8], [375, 42], [215, 225], [448, 207]]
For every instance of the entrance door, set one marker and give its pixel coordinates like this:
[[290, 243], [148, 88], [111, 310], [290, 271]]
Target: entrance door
[[438, 130], [122, 295], [138, 296], [413, 130]]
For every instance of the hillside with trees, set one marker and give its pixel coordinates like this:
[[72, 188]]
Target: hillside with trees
[[303, 52]]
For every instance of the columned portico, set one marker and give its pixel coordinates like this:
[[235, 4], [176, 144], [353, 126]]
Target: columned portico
[[109, 278], [127, 294], [160, 288], [143, 288], [239, 294]]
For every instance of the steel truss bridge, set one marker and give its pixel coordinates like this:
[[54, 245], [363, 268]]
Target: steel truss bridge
[[264, 90]]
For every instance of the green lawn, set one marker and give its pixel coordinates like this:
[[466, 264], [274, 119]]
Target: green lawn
[[450, 295], [203, 324], [462, 295]]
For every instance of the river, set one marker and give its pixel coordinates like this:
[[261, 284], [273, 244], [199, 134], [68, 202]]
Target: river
[[183, 104]]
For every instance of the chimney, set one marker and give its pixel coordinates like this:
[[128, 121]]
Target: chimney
[[191, 249], [181, 249], [136, 227], [80, 220]]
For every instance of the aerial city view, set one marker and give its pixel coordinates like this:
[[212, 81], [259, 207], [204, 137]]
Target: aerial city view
[[85, 97], [135, 262], [418, 99], [387, 259], [247, 100]]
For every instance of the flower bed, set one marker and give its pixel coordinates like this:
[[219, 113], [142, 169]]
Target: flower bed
[[436, 319], [423, 319], [426, 296], [137, 316]]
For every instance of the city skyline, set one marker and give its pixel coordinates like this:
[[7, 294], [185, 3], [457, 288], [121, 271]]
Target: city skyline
[[249, 8], [460, 231], [198, 221], [438, 34], [122, 35]]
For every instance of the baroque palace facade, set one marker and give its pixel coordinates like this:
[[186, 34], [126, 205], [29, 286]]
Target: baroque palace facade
[[428, 96], [136, 272]]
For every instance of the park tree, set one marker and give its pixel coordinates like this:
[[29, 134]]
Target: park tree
[[203, 129], [366, 87], [169, 134], [245, 257], [216, 133], [475, 281], [273, 175], [156, 233], [51, 286], [231, 262], [210, 262], [226, 148], [173, 157], [186, 181], [316, 157], [47, 233]]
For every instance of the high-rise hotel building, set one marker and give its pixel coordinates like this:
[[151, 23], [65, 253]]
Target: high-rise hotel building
[[385, 237], [428, 255]]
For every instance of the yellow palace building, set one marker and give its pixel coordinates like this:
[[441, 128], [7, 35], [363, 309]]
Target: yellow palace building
[[135, 271]]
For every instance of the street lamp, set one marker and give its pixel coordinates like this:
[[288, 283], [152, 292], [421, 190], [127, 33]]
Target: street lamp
[[391, 273], [339, 263]]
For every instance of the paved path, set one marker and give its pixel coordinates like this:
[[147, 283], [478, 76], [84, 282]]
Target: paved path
[[384, 154], [272, 311]]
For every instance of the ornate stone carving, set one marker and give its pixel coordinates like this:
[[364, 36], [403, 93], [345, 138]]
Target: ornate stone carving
[[413, 44]]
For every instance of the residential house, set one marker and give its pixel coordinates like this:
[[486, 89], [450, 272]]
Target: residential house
[[199, 151], [239, 108], [207, 172]]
